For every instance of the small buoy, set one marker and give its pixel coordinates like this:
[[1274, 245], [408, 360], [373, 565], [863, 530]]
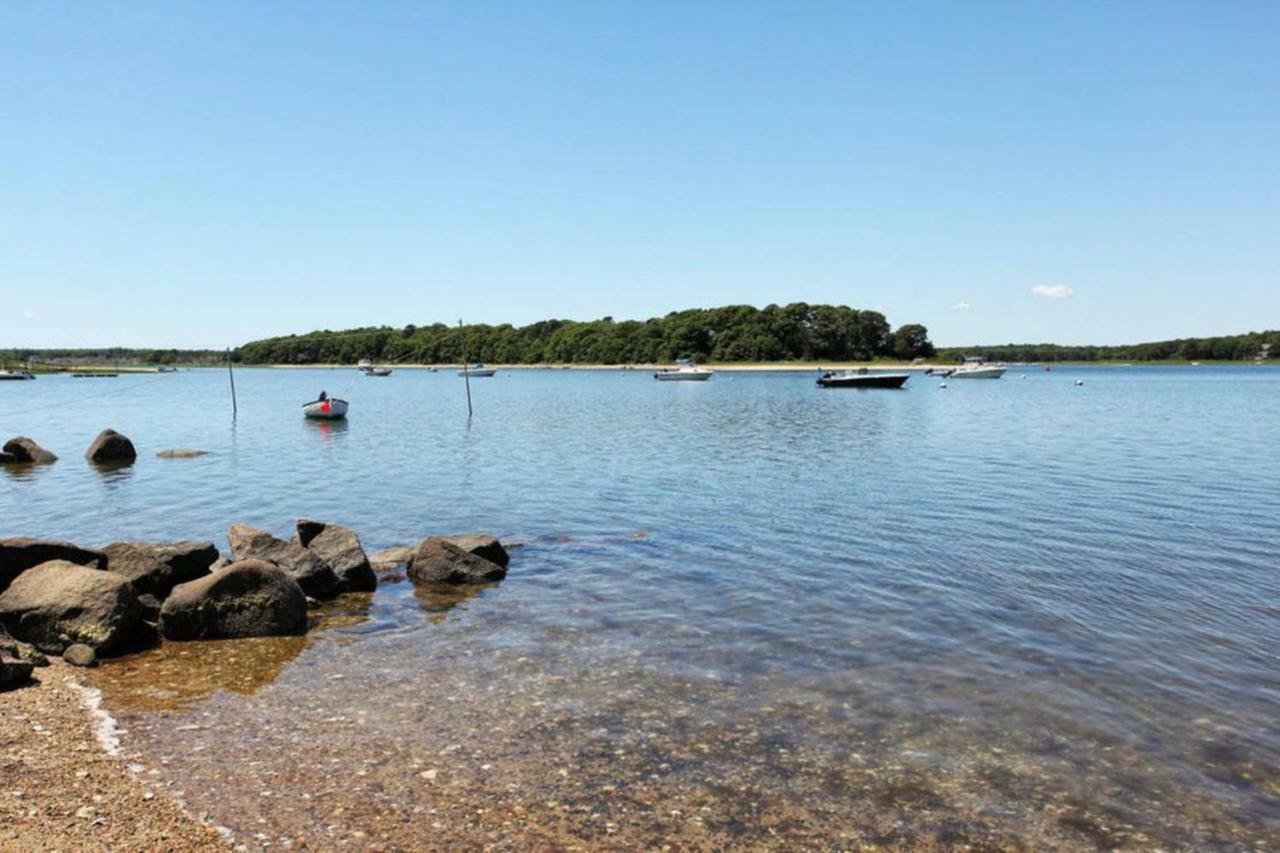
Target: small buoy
[[941, 386], [1079, 381]]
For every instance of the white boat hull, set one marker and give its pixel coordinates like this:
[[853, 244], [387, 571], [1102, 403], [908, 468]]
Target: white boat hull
[[332, 409], [478, 374], [979, 373], [695, 375]]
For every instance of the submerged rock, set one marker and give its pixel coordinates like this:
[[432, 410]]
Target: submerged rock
[[482, 545], [25, 450], [58, 603], [249, 598], [341, 550], [155, 568], [181, 453], [393, 556], [437, 560], [312, 573], [110, 447], [80, 655], [21, 553]]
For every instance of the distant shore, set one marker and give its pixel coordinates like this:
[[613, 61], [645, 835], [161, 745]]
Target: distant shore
[[795, 366]]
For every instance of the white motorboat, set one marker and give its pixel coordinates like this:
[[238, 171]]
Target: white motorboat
[[378, 371], [978, 371], [328, 409], [364, 365], [477, 370], [15, 375], [685, 371]]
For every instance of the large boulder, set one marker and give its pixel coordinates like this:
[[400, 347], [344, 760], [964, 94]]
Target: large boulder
[[111, 448], [341, 550], [58, 603], [23, 449], [249, 598], [437, 560], [482, 545], [312, 573], [154, 568], [21, 553]]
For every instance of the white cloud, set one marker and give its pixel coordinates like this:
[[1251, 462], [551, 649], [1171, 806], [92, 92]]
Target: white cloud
[[1053, 291], [961, 306]]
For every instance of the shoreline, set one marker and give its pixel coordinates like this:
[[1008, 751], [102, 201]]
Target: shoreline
[[64, 789], [769, 367]]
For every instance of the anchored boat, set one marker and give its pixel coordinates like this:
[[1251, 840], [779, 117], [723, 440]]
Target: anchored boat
[[325, 409], [862, 378], [15, 375], [686, 371], [477, 370]]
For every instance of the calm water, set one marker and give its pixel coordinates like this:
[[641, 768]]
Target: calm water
[[746, 612]]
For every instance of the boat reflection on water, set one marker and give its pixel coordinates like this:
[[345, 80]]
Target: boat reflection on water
[[328, 430]]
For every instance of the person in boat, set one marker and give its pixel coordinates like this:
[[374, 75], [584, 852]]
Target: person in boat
[[322, 398]]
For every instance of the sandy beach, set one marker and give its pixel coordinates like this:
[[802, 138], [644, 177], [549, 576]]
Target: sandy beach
[[63, 790]]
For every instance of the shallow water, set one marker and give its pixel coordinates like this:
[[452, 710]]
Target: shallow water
[[750, 611]]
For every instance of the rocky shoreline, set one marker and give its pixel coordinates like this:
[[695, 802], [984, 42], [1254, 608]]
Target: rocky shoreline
[[59, 598], [63, 789]]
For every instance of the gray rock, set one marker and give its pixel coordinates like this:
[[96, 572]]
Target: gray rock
[[110, 447], [14, 673], [80, 655], [312, 573], [341, 550], [181, 453], [155, 568], [24, 449], [393, 556], [437, 560], [249, 598], [58, 603], [388, 572], [22, 553], [482, 545]]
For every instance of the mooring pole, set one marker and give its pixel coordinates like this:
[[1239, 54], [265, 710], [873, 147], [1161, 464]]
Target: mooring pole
[[466, 366], [232, 376]]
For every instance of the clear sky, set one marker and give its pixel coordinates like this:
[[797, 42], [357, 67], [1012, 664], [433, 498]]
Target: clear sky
[[177, 174]]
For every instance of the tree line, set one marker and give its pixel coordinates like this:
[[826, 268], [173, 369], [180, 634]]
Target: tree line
[[740, 333], [54, 358], [1246, 347]]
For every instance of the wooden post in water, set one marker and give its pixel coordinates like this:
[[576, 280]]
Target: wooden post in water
[[232, 376], [466, 365]]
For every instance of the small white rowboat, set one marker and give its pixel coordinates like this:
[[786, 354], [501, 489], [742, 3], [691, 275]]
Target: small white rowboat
[[326, 410]]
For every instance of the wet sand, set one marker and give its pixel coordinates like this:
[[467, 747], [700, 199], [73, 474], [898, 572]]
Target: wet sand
[[60, 789]]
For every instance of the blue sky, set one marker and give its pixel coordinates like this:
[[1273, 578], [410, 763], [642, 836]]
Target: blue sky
[[200, 175]]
